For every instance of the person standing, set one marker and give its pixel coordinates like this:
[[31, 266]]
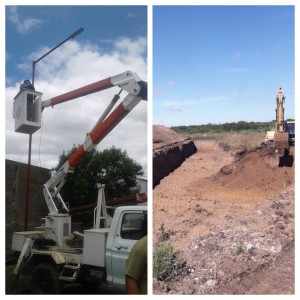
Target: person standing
[[29, 86], [136, 268]]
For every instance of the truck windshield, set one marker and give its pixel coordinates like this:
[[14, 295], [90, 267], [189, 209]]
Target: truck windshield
[[290, 127]]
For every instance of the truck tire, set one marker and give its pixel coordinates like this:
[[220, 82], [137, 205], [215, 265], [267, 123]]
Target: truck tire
[[44, 279], [90, 285]]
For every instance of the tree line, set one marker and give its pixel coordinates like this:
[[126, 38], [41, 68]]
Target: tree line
[[211, 128]]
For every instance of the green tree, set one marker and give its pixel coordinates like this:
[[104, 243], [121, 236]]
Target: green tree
[[112, 167]]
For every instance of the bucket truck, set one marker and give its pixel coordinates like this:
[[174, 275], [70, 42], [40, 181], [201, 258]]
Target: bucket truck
[[46, 254]]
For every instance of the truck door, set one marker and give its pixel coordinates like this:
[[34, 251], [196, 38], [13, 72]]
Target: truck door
[[131, 227]]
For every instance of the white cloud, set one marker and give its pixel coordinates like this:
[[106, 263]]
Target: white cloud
[[72, 66], [131, 15], [234, 70], [175, 108], [131, 47], [177, 104], [237, 55], [23, 25], [181, 105], [7, 56]]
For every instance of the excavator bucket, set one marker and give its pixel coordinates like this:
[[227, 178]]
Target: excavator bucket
[[281, 140]]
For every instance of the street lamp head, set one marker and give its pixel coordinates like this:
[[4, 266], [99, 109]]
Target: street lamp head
[[77, 32]]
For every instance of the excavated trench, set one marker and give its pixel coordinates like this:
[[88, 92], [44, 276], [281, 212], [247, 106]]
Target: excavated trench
[[170, 157], [231, 218]]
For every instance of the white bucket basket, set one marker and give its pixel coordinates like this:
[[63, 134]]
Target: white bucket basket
[[27, 111]]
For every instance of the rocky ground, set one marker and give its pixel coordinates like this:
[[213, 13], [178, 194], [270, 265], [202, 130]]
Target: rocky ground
[[231, 216]]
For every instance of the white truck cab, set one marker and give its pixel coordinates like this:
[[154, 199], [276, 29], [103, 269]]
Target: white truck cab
[[102, 257]]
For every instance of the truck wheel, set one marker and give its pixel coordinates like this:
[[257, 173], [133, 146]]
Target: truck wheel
[[44, 279], [90, 285]]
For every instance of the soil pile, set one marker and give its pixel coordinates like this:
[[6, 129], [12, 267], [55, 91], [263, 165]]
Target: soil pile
[[256, 170], [163, 135]]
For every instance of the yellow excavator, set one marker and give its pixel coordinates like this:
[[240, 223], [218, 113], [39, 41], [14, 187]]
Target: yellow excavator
[[284, 136], [281, 136]]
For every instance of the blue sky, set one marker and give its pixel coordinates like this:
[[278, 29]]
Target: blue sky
[[29, 28], [114, 40], [217, 64]]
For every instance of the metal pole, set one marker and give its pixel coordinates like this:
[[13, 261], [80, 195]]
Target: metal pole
[[73, 35], [28, 184]]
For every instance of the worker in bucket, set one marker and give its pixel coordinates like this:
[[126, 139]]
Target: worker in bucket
[[29, 86]]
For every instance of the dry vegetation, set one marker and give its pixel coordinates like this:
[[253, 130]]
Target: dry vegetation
[[244, 142]]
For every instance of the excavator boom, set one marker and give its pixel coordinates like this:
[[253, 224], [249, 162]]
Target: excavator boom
[[281, 137]]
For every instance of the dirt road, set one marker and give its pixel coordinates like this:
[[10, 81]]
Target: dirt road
[[231, 226]]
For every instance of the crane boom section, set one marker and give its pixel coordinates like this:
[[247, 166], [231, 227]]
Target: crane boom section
[[100, 131], [137, 91], [83, 91], [128, 81]]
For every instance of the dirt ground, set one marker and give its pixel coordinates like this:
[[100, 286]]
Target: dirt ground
[[232, 218]]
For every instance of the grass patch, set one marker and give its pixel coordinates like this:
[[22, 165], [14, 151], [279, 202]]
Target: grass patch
[[167, 263], [240, 136], [242, 141], [163, 234], [239, 142], [238, 249]]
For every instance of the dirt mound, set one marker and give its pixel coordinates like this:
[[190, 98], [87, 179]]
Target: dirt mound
[[165, 135], [256, 170]]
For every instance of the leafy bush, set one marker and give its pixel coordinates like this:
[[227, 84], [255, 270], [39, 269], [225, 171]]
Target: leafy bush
[[112, 167]]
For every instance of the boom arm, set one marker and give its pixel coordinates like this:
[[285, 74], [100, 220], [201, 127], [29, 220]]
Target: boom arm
[[128, 81], [137, 90], [281, 137], [280, 111]]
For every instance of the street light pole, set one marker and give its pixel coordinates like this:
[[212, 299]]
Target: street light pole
[[73, 35]]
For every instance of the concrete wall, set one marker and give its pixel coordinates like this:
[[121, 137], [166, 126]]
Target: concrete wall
[[15, 193]]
